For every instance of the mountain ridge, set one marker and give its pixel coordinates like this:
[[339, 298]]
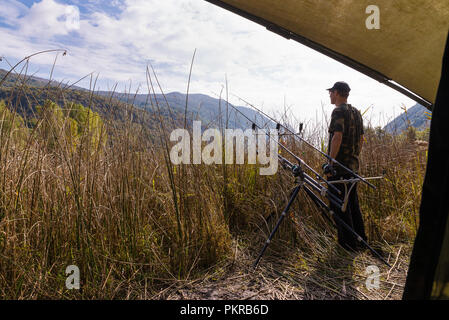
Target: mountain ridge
[[417, 116], [209, 110]]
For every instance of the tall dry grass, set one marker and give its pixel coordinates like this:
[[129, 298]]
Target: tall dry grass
[[134, 223]]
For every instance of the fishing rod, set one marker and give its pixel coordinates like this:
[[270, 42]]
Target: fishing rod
[[300, 161], [303, 179], [316, 186], [310, 145], [324, 209]]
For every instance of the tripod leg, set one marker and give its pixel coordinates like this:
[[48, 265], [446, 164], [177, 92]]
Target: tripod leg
[[341, 222], [320, 204], [284, 213]]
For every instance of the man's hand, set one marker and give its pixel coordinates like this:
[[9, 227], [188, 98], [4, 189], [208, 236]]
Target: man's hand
[[328, 169]]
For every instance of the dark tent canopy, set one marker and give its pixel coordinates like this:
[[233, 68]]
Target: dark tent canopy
[[405, 53], [428, 275]]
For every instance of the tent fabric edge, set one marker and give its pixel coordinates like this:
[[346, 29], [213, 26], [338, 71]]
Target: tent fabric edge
[[324, 50]]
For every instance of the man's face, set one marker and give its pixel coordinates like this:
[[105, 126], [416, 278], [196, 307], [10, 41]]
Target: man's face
[[332, 96]]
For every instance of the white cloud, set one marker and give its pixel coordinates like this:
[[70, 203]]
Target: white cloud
[[44, 20], [11, 10], [260, 66]]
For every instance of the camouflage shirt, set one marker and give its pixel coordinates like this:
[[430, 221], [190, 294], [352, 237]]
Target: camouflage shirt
[[347, 119]]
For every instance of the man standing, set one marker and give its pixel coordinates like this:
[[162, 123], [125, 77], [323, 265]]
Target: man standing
[[345, 143]]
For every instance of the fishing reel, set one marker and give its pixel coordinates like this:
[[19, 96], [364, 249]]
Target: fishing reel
[[298, 173], [296, 170], [328, 169]]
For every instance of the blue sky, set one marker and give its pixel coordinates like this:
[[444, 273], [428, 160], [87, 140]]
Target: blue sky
[[117, 39]]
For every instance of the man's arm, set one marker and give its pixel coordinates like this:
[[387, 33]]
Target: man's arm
[[361, 143], [335, 144]]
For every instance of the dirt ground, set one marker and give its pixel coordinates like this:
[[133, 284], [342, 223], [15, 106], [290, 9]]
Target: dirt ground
[[343, 276]]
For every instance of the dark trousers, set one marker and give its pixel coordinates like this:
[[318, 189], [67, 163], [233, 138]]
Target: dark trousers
[[352, 216]]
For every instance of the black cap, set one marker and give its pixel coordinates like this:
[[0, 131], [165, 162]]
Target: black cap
[[341, 87]]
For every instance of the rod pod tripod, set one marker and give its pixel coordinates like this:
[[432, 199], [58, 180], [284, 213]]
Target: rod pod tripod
[[299, 174], [300, 177]]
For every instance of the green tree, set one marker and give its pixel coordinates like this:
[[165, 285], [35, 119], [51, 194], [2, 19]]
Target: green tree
[[54, 125], [11, 123], [89, 124], [75, 123]]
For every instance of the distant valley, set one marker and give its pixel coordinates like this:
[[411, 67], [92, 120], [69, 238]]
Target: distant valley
[[211, 111]]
